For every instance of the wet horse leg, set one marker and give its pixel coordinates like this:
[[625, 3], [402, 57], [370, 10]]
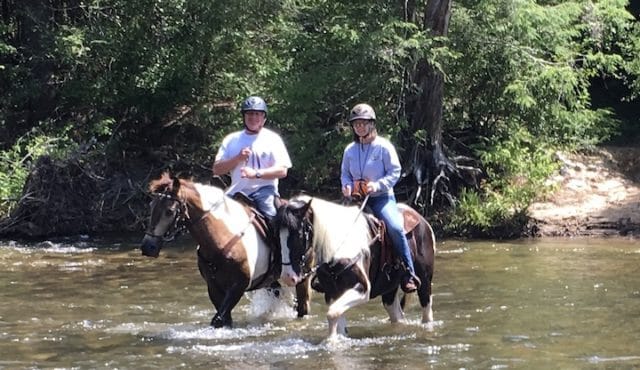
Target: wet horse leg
[[424, 243], [350, 298], [392, 304], [350, 288], [426, 299], [303, 290], [223, 299], [229, 301]]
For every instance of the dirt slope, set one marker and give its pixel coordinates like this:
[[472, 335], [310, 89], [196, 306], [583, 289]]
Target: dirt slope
[[597, 194]]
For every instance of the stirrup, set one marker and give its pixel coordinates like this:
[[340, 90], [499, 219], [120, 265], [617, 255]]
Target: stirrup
[[410, 283]]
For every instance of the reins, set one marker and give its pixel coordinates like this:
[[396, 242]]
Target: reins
[[182, 219], [353, 260], [178, 224]]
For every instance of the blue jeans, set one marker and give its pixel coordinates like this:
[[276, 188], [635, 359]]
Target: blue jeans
[[264, 199], [385, 208]]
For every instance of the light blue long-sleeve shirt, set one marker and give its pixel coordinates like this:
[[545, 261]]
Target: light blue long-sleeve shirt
[[375, 162]]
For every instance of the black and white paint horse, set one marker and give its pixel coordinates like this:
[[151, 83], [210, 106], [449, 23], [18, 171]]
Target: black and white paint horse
[[347, 254]]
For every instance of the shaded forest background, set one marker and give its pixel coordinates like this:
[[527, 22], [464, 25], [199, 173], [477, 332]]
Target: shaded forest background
[[98, 97]]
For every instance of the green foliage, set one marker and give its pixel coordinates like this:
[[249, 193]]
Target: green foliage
[[161, 79], [533, 63], [517, 167], [17, 162]]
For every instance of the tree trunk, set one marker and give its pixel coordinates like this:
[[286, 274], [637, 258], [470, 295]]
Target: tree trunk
[[430, 166]]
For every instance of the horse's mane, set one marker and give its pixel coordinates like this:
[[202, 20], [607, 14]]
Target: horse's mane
[[339, 231], [208, 194], [287, 218], [163, 184]]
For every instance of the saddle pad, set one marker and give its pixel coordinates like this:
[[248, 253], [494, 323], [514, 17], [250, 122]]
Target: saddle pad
[[411, 217]]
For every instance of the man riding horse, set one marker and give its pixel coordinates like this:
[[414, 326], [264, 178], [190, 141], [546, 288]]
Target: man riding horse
[[255, 157]]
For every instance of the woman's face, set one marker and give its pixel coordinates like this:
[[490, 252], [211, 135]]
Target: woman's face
[[362, 127]]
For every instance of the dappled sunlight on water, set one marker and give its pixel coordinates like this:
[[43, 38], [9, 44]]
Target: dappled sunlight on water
[[525, 304]]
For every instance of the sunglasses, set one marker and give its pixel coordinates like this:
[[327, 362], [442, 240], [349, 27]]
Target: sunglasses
[[360, 123]]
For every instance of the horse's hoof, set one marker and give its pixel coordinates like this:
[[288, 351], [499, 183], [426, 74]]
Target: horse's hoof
[[274, 291], [218, 322], [302, 312]]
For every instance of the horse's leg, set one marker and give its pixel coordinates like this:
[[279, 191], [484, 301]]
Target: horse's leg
[[350, 298], [224, 300], [392, 304], [231, 298], [425, 273], [216, 295], [303, 292], [426, 300], [342, 325], [424, 240]]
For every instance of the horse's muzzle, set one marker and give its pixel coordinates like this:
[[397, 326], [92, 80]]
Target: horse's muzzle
[[150, 246], [289, 278]]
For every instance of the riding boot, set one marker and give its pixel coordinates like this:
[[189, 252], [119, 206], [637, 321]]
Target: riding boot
[[410, 282]]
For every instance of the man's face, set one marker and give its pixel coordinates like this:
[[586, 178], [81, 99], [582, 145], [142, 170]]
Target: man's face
[[254, 120]]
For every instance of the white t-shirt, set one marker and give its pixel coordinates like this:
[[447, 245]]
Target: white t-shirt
[[267, 149]]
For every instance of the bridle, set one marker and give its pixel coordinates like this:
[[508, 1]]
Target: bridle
[[181, 219], [307, 231]]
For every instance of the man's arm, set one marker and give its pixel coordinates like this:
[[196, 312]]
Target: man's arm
[[270, 173], [224, 166]]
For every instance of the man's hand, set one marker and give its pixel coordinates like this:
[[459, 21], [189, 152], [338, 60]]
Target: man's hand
[[244, 154], [248, 172]]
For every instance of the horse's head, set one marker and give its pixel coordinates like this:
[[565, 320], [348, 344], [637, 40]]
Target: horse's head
[[295, 225], [168, 213]]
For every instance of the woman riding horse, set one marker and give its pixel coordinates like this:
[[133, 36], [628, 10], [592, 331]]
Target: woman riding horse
[[346, 253]]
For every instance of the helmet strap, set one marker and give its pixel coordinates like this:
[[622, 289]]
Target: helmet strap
[[368, 137], [250, 131]]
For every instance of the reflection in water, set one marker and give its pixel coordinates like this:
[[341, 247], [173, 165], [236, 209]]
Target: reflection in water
[[527, 304]]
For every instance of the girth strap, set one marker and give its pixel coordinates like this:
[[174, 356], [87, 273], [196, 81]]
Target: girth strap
[[236, 238]]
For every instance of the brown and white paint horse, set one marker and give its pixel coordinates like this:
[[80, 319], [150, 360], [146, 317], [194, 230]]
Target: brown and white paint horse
[[232, 256], [349, 262]]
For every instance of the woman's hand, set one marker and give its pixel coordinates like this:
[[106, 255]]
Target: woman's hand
[[372, 187], [346, 191]]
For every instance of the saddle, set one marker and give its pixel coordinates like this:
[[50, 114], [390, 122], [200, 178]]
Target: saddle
[[267, 232], [387, 253], [260, 222]]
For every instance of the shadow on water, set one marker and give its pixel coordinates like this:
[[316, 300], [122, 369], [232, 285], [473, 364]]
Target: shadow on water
[[526, 304]]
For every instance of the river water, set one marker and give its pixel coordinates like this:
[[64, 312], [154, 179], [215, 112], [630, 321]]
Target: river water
[[531, 304]]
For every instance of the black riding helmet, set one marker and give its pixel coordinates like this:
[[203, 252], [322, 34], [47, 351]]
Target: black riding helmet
[[253, 103]]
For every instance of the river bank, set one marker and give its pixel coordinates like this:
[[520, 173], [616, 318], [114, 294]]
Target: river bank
[[597, 193]]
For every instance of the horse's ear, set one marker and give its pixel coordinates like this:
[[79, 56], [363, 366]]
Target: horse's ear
[[176, 185], [305, 209]]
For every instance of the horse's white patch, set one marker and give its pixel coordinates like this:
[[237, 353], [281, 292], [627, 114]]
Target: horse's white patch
[[237, 220], [339, 231], [288, 276]]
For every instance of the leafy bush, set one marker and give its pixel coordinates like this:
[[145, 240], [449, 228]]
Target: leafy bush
[[16, 164], [518, 167]]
